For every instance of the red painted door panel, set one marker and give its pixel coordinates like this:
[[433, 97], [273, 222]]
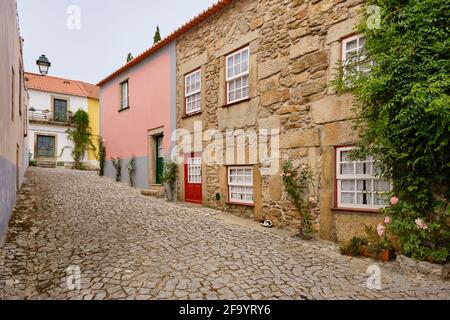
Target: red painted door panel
[[193, 179]]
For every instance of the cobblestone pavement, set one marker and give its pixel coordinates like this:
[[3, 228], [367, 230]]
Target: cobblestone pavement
[[131, 247]]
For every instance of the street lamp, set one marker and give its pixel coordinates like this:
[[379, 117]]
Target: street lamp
[[43, 65]]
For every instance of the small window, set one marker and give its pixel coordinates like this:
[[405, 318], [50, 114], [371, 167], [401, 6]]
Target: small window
[[358, 183], [237, 75], [124, 95], [353, 55], [192, 92], [195, 170], [240, 184]]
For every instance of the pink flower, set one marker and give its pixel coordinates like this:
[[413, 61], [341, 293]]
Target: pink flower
[[381, 230], [288, 175], [282, 174], [304, 167], [421, 224], [312, 200], [394, 201], [387, 220]]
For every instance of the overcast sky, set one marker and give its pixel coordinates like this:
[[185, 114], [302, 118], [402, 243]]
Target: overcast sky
[[109, 29]]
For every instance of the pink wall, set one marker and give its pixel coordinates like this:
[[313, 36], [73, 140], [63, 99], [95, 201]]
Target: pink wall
[[125, 133]]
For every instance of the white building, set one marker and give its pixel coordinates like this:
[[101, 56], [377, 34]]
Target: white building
[[53, 102]]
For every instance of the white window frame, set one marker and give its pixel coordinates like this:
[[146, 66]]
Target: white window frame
[[191, 164], [240, 184], [124, 98], [356, 177], [242, 75], [358, 49], [193, 93]]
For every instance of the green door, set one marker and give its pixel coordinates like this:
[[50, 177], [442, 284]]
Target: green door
[[159, 159]]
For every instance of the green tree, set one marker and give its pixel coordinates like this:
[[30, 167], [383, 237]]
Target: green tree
[[81, 137], [130, 57], [157, 36]]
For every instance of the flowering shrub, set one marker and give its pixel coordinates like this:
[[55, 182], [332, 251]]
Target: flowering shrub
[[421, 236], [297, 183]]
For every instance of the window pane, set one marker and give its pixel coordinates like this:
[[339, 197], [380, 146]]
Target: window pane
[[348, 198], [348, 185], [363, 168], [364, 185], [347, 168], [364, 199], [380, 200], [352, 45], [382, 185]]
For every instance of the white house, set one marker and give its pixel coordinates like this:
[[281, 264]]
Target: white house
[[53, 102]]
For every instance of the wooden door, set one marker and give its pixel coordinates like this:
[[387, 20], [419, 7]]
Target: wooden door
[[193, 178]]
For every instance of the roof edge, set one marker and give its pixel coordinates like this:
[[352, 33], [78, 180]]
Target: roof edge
[[169, 39]]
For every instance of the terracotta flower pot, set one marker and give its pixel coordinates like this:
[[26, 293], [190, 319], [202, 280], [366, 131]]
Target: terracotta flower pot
[[383, 255]]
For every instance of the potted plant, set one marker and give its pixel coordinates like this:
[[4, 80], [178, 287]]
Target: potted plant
[[169, 178]]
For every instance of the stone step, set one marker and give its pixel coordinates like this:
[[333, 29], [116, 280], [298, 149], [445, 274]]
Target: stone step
[[46, 164], [157, 191]]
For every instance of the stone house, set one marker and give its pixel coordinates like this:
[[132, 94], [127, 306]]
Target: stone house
[[249, 68], [13, 112]]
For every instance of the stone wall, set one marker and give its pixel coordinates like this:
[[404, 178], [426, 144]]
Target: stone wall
[[295, 46]]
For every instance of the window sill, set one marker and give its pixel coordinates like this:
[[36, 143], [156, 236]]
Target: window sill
[[236, 102], [124, 109], [193, 114], [240, 204], [355, 210]]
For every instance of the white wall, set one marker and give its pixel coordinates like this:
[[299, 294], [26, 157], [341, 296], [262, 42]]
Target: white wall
[[42, 101]]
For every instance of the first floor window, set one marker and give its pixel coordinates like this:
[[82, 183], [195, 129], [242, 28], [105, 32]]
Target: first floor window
[[124, 95], [192, 92], [358, 183], [195, 170], [240, 184], [237, 75]]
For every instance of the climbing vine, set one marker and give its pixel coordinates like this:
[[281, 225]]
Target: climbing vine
[[117, 164], [297, 184], [403, 105], [81, 137], [131, 167]]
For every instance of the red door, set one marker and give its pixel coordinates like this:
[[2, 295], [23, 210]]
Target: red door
[[193, 178]]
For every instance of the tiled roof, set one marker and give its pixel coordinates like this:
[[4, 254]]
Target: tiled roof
[[185, 28], [59, 85]]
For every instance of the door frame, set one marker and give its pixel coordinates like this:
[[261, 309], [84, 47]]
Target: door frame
[[151, 154], [156, 158], [55, 151], [192, 155]]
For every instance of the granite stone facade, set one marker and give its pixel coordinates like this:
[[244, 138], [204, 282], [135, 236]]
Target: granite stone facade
[[294, 49]]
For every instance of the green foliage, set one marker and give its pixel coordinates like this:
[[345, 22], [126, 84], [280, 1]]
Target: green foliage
[[31, 163], [422, 237], [117, 164], [169, 175], [157, 36], [404, 102], [101, 155], [297, 183], [131, 167], [353, 246], [81, 137], [129, 57], [403, 105]]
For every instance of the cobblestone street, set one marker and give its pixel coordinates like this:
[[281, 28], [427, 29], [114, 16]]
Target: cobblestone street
[[131, 247]]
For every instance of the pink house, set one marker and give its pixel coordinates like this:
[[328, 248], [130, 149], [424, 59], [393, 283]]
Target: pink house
[[137, 113]]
